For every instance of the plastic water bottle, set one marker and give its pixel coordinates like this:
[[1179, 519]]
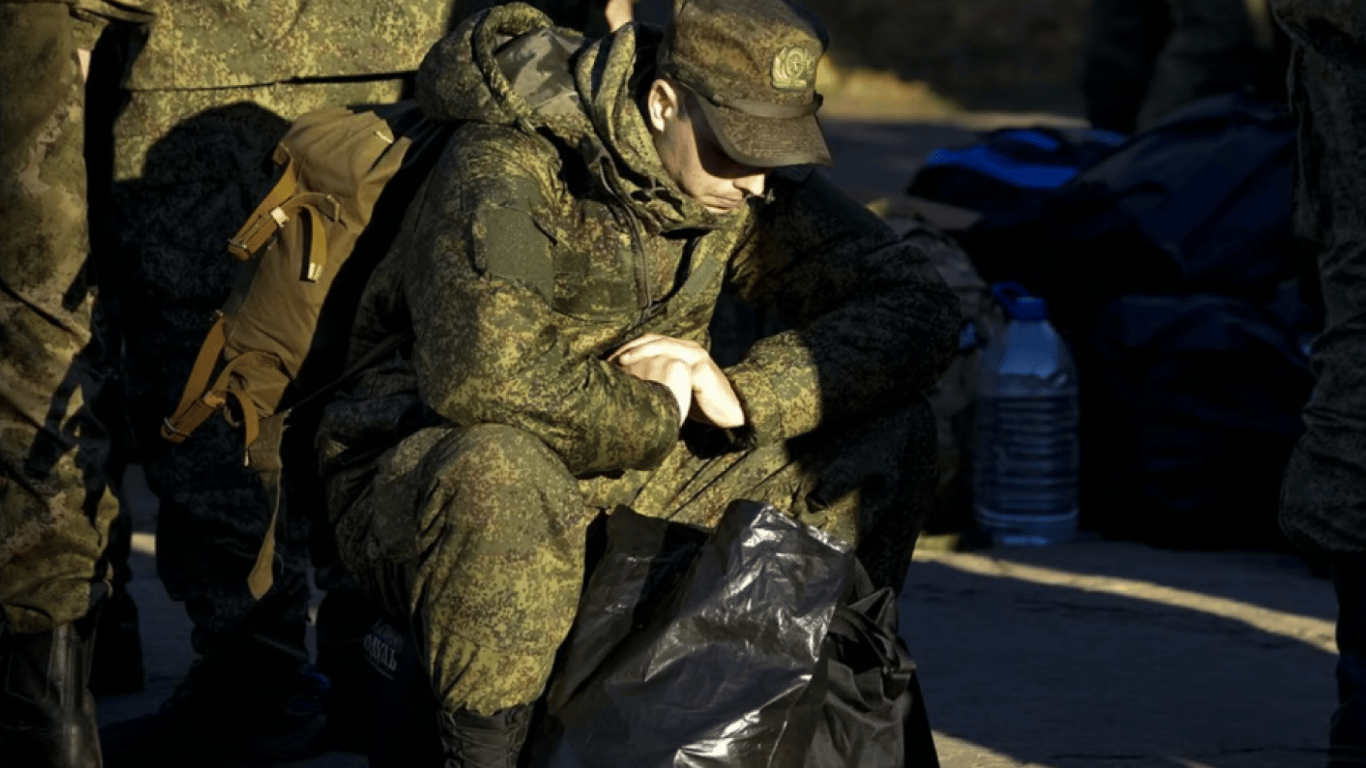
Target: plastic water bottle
[[1026, 454]]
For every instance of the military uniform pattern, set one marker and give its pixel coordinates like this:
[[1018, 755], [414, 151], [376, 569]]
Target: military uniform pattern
[[585, 16], [478, 532], [54, 509], [547, 236], [1323, 503], [212, 89], [189, 167]]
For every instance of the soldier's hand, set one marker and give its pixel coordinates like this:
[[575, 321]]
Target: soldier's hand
[[713, 400], [667, 370]]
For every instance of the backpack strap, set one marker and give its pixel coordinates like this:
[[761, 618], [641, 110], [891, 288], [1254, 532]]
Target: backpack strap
[[283, 201], [264, 455], [256, 233], [195, 407]]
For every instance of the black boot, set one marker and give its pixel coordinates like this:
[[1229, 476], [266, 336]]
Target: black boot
[[472, 740], [344, 619], [47, 715], [116, 666], [1347, 730], [226, 713]]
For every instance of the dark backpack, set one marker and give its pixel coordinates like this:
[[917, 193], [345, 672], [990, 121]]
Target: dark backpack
[[1009, 167], [1161, 264], [1200, 203]]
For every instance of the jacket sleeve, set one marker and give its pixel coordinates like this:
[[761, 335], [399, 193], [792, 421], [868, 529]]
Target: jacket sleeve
[[874, 323], [479, 281]]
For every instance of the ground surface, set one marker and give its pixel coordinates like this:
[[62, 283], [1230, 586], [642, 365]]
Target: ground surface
[[1088, 654]]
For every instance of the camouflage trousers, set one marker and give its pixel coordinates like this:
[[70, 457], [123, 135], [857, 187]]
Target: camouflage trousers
[[478, 533], [188, 166], [55, 512]]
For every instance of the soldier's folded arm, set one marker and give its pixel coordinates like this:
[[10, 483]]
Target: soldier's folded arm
[[487, 349], [874, 322]]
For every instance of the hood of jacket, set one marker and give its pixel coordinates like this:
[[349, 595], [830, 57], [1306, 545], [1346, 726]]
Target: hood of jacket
[[511, 66]]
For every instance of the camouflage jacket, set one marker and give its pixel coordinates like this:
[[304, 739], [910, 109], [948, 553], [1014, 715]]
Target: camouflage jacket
[[548, 234], [197, 44]]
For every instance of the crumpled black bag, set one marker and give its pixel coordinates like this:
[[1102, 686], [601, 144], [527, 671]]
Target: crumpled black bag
[[873, 714], [752, 646]]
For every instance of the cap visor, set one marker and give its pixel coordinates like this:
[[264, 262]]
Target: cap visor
[[764, 142]]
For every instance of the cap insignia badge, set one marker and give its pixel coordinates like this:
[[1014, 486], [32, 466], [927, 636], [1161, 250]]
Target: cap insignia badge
[[792, 69]]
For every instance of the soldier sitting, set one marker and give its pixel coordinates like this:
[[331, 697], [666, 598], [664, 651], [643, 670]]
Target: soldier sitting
[[557, 274]]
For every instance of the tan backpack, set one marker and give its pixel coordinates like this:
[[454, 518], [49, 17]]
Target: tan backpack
[[345, 177]]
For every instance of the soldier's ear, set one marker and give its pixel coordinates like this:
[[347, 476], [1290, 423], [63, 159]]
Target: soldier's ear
[[662, 104]]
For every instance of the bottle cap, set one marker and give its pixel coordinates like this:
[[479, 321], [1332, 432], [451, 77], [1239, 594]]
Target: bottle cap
[[1019, 305], [1029, 308]]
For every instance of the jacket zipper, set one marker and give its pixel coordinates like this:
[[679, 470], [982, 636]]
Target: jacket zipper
[[643, 292]]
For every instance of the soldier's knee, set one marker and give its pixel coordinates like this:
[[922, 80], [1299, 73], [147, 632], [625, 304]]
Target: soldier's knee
[[496, 477], [500, 453]]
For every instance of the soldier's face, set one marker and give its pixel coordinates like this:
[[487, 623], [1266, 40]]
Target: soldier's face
[[692, 155]]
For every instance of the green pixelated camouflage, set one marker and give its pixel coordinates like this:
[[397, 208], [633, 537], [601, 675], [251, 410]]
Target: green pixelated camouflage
[[462, 471], [586, 16], [528, 259], [54, 509], [479, 532], [205, 105], [251, 42]]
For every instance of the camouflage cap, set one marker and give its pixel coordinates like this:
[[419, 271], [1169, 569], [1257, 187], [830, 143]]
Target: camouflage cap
[[753, 63]]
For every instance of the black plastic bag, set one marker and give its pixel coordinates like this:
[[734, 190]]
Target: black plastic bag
[[721, 665], [873, 714], [761, 644]]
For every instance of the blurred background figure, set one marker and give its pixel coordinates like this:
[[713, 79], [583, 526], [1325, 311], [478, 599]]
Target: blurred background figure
[[1323, 498], [1146, 58]]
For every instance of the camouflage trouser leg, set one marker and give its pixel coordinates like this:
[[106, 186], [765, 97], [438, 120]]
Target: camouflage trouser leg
[[189, 166], [478, 533], [54, 509]]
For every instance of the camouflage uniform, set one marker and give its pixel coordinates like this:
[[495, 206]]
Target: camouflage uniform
[[1146, 58], [1323, 495], [211, 90], [587, 16], [461, 473], [55, 509]]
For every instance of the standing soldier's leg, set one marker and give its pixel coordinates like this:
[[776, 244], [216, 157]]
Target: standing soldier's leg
[[189, 168], [186, 172], [54, 511], [1323, 495]]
